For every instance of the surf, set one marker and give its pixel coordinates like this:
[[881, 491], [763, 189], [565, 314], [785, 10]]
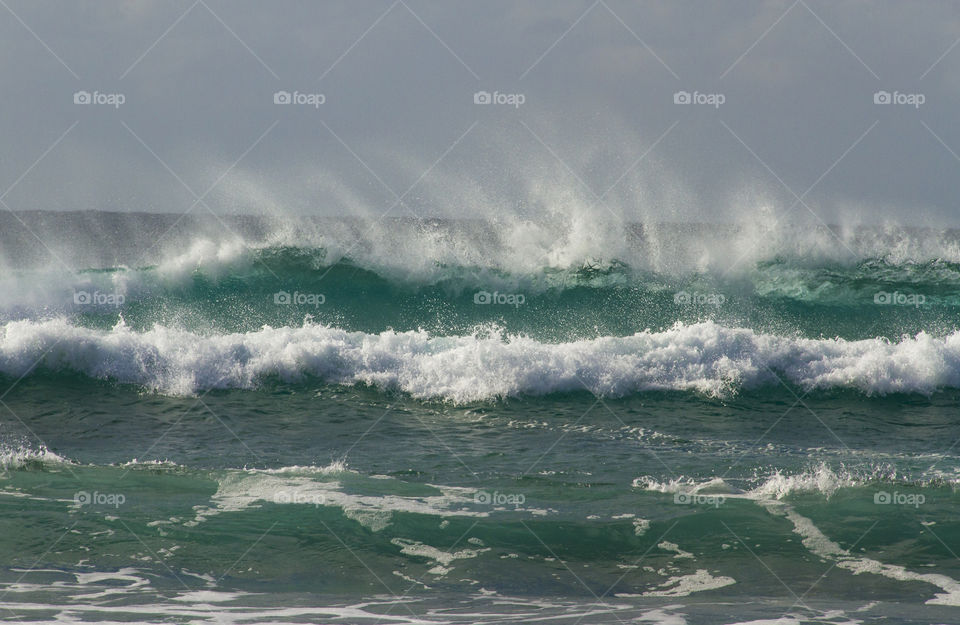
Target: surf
[[704, 358]]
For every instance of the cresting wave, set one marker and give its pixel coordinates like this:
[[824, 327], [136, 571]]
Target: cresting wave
[[23, 456], [778, 485], [208, 265], [705, 358], [565, 234]]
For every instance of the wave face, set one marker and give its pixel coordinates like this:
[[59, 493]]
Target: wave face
[[703, 358]]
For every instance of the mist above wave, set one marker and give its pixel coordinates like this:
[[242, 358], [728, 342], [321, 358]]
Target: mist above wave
[[416, 249]]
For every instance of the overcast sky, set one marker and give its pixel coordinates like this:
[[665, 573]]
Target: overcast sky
[[587, 115]]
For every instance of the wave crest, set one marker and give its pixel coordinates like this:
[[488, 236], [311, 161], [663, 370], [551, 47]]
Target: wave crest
[[705, 358]]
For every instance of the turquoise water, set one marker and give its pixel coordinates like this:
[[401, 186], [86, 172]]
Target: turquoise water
[[294, 433]]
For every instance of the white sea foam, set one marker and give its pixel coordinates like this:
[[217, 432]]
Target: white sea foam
[[705, 358], [819, 544], [22, 456], [239, 490], [683, 585], [675, 548], [442, 559], [335, 467], [775, 486]]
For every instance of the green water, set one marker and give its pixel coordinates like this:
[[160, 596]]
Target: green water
[[619, 445]]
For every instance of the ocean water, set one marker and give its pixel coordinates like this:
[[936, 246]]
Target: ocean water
[[240, 420]]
